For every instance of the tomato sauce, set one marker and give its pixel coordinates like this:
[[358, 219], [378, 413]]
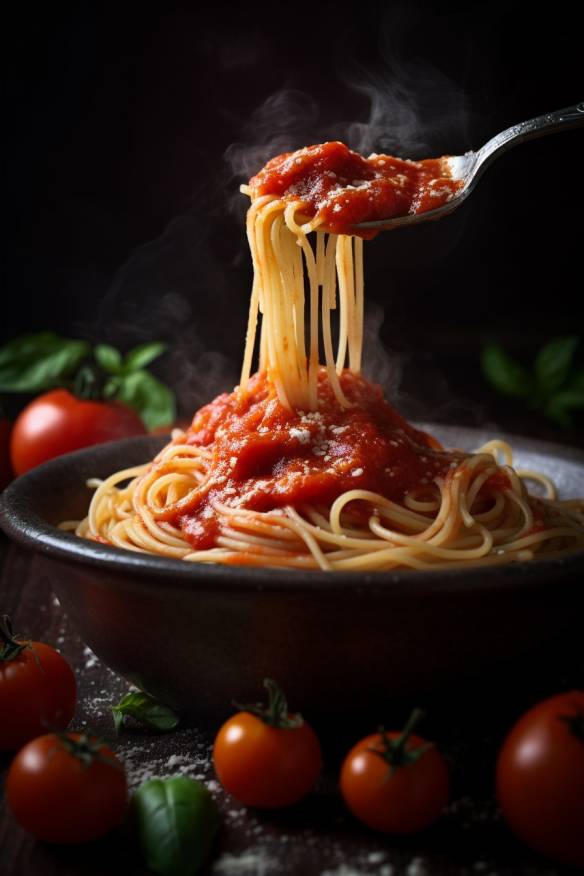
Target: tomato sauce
[[497, 482], [265, 456], [342, 188]]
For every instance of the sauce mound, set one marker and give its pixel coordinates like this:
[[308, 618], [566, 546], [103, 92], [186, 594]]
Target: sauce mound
[[265, 456], [342, 188]]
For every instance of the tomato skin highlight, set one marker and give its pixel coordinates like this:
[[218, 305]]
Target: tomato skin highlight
[[266, 767], [58, 799], [59, 422], [403, 802], [38, 693], [540, 779]]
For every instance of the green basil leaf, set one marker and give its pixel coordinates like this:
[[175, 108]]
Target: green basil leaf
[[558, 408], [507, 375], [576, 380], [31, 363], [26, 345], [152, 399], [118, 720], [109, 358], [553, 362], [146, 709], [558, 415], [177, 820], [143, 355], [111, 387]]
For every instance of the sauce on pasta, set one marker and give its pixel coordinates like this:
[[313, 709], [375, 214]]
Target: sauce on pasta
[[342, 188], [265, 456]]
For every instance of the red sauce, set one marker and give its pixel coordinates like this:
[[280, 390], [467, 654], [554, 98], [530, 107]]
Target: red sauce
[[498, 482], [265, 457], [343, 188]]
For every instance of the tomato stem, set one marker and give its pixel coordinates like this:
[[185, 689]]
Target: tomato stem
[[395, 752], [88, 383], [86, 749], [275, 714], [10, 648]]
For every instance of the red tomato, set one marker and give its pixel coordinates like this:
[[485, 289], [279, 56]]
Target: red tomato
[[264, 766], [540, 778], [5, 467], [402, 799], [267, 765], [37, 692], [58, 422], [69, 789]]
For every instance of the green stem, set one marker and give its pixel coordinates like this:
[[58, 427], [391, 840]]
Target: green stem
[[395, 752], [10, 648], [86, 750], [275, 714], [88, 382]]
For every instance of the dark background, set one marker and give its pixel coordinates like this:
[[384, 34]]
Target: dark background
[[128, 131]]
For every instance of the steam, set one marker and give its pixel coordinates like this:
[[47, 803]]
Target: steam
[[175, 289], [384, 369], [410, 108], [415, 109], [276, 126], [414, 112]]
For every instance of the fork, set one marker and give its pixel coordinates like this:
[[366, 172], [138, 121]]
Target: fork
[[469, 168]]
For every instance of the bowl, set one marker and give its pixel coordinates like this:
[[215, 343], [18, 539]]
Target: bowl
[[197, 635]]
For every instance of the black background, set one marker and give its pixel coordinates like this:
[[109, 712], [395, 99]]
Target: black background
[[129, 129]]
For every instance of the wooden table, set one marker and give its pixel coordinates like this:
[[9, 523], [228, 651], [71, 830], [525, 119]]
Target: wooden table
[[318, 837]]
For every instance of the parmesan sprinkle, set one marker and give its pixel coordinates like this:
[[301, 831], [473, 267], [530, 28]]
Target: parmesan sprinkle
[[303, 435]]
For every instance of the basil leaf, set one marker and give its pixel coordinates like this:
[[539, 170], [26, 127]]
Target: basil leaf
[[143, 355], [576, 380], [146, 709], [152, 399], [562, 403], [553, 362], [31, 363], [109, 358], [508, 376], [111, 387], [176, 820]]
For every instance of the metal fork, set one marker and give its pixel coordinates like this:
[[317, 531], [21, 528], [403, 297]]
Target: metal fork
[[469, 167]]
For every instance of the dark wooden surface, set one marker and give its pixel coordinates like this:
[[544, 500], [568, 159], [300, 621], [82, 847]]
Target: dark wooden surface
[[318, 837]]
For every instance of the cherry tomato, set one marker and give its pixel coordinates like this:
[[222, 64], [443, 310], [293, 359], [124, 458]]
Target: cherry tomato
[[395, 782], [5, 467], [58, 422], [37, 690], [267, 766], [66, 789], [540, 778]]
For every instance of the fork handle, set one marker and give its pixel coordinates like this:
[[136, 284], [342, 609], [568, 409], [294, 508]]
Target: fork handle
[[560, 120]]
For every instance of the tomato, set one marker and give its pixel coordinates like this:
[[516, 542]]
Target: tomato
[[395, 782], [540, 778], [66, 789], [267, 765], [5, 467], [37, 690], [59, 422]]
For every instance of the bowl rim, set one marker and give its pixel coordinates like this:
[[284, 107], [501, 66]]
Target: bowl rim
[[29, 529]]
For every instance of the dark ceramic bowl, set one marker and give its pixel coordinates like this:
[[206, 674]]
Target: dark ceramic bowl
[[196, 635]]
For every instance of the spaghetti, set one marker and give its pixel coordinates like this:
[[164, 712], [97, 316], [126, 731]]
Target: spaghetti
[[305, 465]]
